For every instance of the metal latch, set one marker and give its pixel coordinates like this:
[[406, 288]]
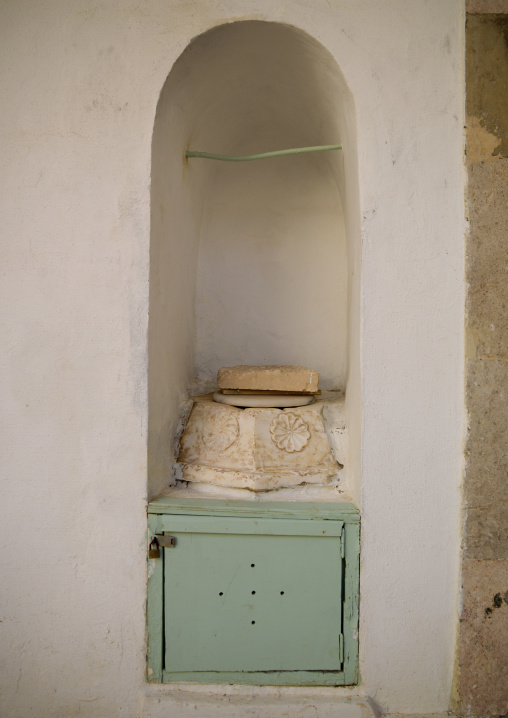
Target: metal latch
[[158, 541], [165, 541]]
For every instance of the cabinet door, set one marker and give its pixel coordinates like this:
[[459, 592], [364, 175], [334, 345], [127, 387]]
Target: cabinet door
[[258, 595]]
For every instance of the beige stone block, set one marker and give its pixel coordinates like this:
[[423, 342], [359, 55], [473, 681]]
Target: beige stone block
[[485, 486], [487, 439], [480, 143], [483, 639], [487, 76], [487, 259], [268, 378], [487, 6], [486, 531]]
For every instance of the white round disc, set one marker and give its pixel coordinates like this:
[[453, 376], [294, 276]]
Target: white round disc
[[266, 401]]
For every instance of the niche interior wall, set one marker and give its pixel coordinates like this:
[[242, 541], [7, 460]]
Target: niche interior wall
[[250, 263]]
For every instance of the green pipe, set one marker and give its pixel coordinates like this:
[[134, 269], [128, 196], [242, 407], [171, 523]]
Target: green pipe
[[264, 155]]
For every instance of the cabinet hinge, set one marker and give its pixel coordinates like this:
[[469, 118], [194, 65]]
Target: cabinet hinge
[[342, 542], [341, 648]]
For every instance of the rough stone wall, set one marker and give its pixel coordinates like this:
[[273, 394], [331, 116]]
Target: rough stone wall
[[483, 638]]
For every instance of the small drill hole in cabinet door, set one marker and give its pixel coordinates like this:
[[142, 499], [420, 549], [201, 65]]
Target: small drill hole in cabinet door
[[253, 630]]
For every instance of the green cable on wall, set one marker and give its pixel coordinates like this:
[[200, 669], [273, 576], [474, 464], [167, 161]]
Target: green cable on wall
[[263, 155]]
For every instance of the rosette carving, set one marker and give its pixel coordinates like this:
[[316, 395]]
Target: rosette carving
[[221, 430], [289, 432]]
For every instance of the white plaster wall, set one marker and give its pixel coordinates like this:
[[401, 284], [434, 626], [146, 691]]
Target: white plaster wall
[[80, 83], [177, 201]]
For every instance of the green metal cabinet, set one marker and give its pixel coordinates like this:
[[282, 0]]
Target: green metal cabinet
[[262, 593]]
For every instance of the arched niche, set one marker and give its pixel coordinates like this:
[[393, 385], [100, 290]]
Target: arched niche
[[250, 263]]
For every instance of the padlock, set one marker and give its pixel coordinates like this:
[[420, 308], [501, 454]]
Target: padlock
[[154, 550]]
